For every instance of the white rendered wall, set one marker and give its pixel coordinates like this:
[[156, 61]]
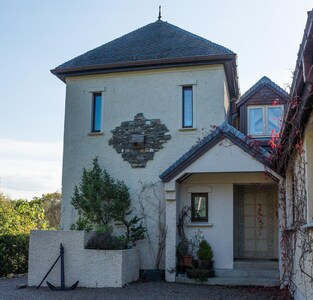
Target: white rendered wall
[[218, 231], [157, 94], [93, 268]]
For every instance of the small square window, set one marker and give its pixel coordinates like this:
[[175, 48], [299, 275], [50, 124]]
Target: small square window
[[199, 207]]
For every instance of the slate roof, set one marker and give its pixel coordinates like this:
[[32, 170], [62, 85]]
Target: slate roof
[[264, 81], [154, 46], [249, 145], [154, 41]]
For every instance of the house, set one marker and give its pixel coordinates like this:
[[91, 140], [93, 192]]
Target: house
[[155, 106], [295, 164]]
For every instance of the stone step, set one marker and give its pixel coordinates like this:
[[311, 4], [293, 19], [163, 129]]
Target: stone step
[[256, 265], [247, 273], [233, 281]]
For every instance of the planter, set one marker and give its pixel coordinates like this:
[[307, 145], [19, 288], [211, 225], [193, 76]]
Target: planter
[[93, 268], [205, 264], [187, 261]]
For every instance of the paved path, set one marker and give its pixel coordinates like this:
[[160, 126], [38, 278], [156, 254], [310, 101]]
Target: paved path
[[140, 290]]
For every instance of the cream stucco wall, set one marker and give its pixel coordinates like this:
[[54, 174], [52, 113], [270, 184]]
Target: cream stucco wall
[[219, 230], [157, 94]]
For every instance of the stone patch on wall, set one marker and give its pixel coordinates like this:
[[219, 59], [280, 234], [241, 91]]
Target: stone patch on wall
[[139, 139]]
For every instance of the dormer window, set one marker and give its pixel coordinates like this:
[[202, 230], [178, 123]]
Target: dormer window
[[263, 120]]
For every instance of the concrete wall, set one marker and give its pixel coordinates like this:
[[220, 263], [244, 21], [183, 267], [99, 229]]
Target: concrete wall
[[93, 268], [157, 94]]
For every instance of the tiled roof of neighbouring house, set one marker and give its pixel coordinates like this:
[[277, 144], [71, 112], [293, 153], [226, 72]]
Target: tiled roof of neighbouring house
[[264, 81], [154, 41], [249, 145]]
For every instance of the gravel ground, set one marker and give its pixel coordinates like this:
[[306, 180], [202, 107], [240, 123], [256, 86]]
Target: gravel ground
[[15, 288]]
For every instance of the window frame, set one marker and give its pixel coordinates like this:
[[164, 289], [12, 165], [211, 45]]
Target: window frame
[[96, 113], [265, 109], [187, 88], [193, 218]]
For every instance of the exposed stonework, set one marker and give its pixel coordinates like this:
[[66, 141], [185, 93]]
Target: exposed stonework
[[139, 139]]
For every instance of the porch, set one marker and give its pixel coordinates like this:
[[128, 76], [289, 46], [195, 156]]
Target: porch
[[227, 182]]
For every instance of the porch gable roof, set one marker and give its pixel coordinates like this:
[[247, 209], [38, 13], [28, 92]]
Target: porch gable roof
[[247, 144]]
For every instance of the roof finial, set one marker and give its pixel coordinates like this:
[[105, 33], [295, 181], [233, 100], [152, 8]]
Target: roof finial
[[159, 18]]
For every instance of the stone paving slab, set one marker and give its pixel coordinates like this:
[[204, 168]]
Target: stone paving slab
[[15, 288]]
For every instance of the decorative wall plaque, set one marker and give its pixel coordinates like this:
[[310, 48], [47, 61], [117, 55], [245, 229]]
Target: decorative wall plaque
[[138, 140]]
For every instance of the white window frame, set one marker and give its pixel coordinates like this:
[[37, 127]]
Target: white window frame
[[265, 118]]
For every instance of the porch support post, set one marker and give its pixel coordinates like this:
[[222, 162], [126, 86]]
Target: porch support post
[[170, 248]]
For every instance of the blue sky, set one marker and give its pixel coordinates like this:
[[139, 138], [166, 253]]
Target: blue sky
[[38, 35]]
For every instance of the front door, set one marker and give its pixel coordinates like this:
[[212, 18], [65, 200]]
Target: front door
[[255, 218]]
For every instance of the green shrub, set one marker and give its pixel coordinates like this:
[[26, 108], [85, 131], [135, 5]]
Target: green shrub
[[205, 251], [199, 274], [101, 202], [13, 254], [105, 241]]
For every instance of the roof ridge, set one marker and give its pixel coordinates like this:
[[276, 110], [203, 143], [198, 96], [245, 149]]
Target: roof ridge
[[215, 45]]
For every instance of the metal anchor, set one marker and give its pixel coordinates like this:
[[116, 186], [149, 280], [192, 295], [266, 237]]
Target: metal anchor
[[62, 287]]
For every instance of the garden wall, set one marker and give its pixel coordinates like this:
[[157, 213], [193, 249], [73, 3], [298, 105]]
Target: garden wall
[[93, 268]]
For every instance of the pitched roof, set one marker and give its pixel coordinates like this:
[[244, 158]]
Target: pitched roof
[[249, 145], [264, 81], [158, 44], [154, 41]]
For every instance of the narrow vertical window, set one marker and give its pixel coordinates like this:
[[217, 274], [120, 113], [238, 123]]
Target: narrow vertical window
[[187, 107], [96, 112]]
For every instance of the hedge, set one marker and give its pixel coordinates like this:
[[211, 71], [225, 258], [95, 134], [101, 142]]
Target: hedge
[[13, 254]]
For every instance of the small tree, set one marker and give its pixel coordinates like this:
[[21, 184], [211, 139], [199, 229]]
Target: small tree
[[102, 201]]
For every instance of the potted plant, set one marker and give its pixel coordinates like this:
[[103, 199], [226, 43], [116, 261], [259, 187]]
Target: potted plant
[[205, 255]]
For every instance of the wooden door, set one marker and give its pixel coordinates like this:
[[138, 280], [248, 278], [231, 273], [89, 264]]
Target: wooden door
[[255, 218]]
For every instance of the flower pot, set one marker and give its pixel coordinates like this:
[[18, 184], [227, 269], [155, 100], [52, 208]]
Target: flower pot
[[187, 261], [205, 264]]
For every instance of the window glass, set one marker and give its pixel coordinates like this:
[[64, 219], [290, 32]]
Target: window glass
[[256, 121], [97, 103], [199, 207], [187, 107], [274, 119]]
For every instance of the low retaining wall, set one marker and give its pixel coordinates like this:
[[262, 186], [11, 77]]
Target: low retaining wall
[[93, 268]]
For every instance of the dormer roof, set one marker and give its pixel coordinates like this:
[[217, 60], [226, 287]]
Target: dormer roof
[[264, 81]]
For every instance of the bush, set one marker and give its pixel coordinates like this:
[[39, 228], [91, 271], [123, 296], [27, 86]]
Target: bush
[[200, 274], [13, 254], [205, 251], [101, 202], [105, 241]]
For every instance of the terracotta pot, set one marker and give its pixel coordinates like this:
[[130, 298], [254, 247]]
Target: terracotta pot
[[187, 260]]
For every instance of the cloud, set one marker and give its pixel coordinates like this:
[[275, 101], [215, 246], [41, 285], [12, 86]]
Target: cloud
[[29, 169]]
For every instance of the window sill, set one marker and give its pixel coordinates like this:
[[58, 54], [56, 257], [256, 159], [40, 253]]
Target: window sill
[[187, 129], [95, 133], [200, 225], [308, 226]]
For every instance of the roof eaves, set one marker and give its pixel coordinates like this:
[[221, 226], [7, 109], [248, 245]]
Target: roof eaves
[[62, 73]]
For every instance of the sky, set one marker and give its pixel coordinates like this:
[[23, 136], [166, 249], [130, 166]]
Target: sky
[[38, 35]]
